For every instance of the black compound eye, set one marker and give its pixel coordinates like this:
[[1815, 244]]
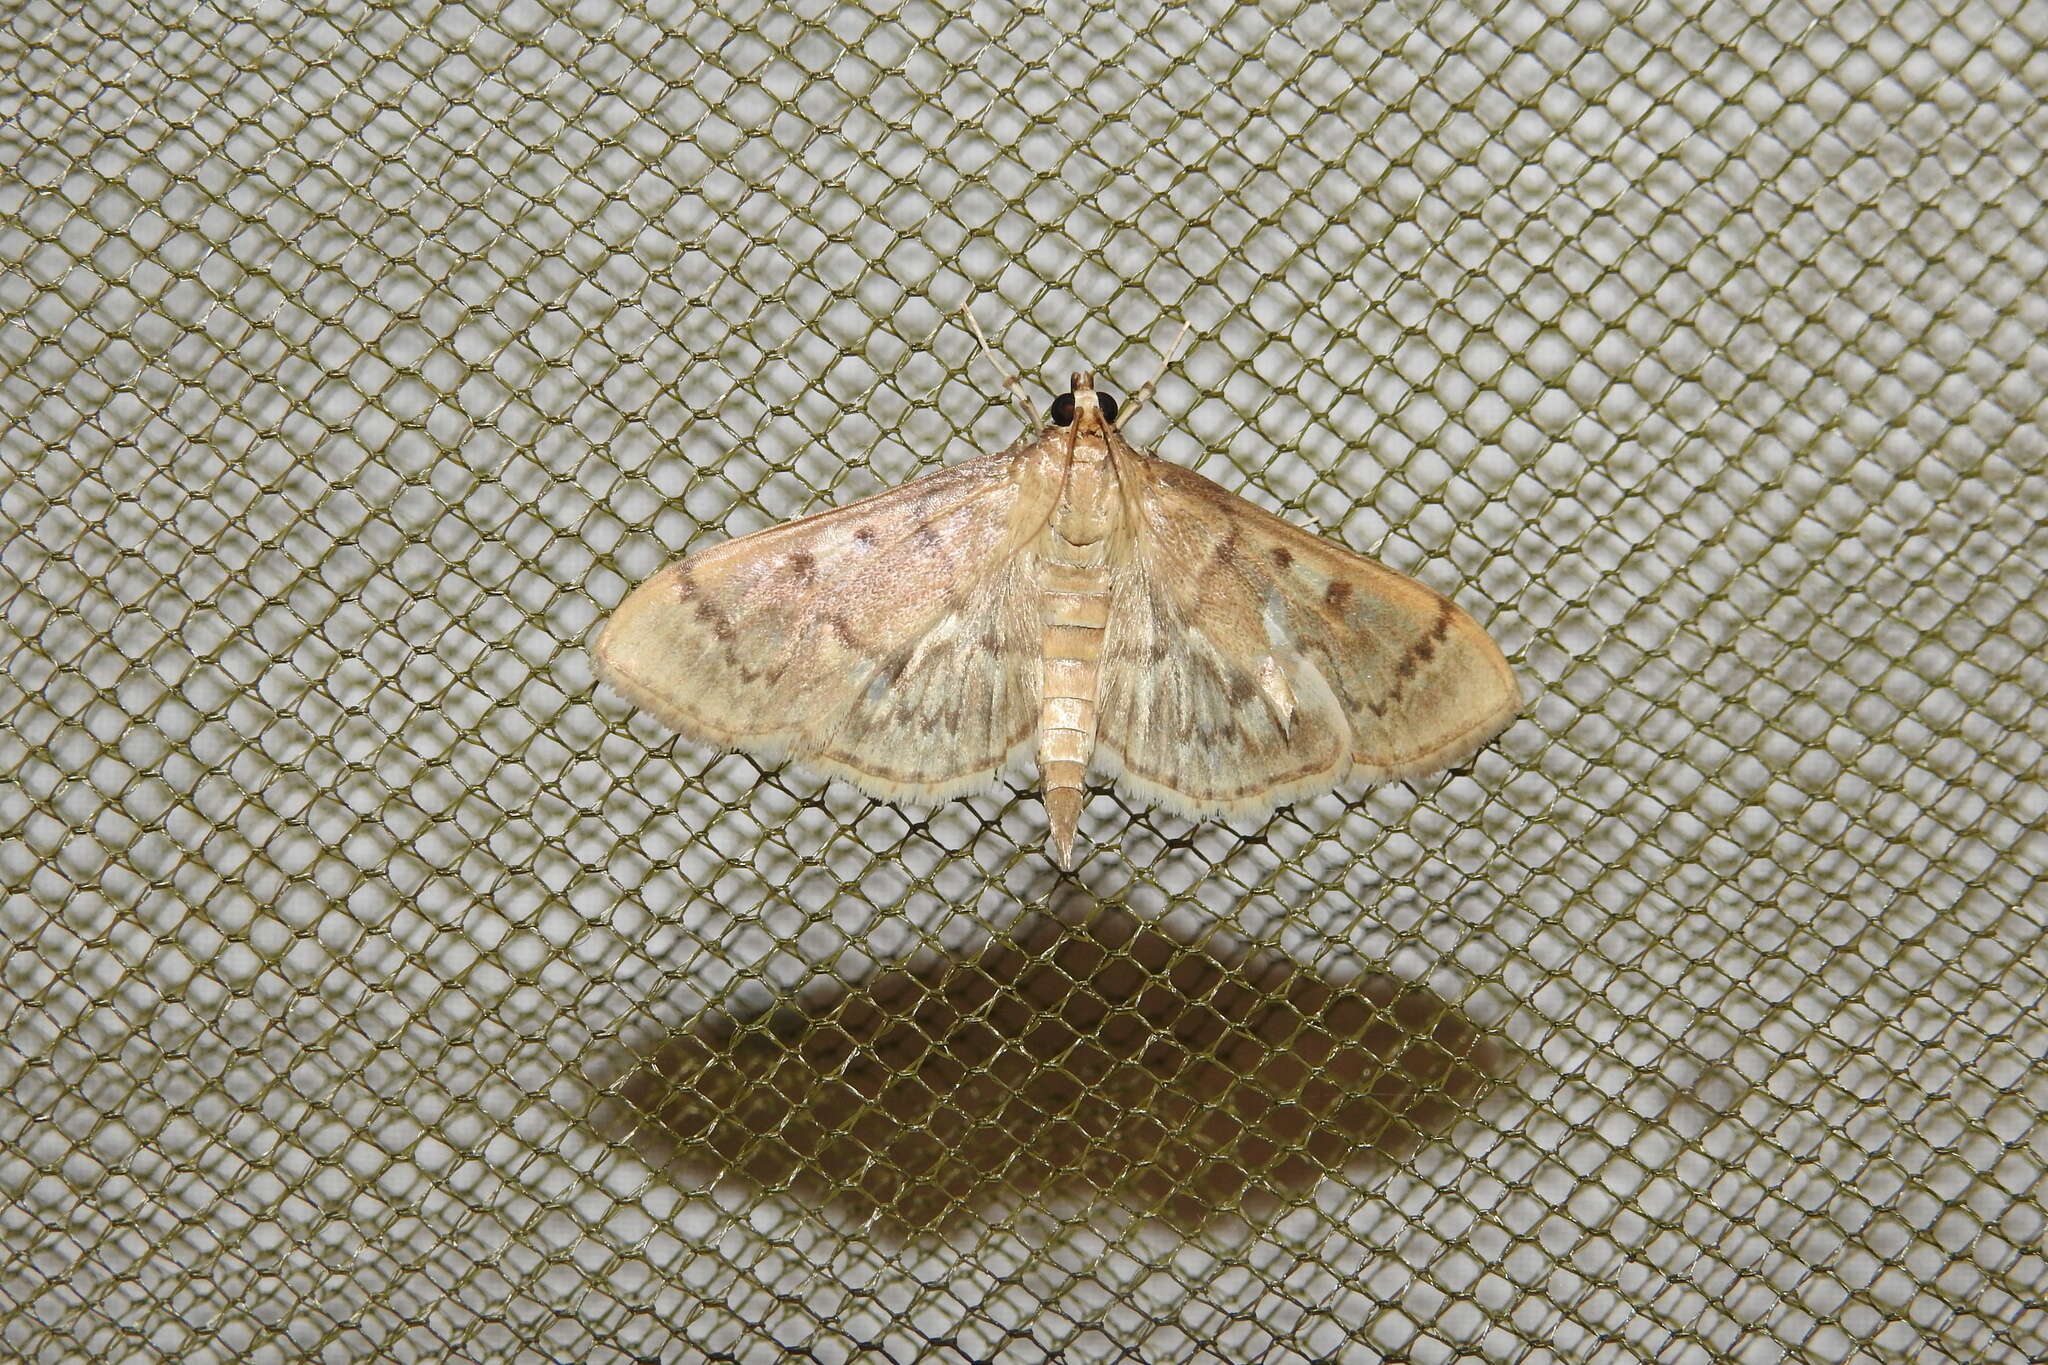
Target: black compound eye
[[1063, 410], [1108, 406]]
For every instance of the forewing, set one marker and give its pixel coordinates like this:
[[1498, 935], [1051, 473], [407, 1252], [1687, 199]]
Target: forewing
[[1249, 662], [892, 642]]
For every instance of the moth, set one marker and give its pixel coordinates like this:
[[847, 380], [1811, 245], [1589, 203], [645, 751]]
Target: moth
[[1071, 599]]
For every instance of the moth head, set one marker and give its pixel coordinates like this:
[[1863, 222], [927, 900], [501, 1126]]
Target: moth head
[[1081, 402]]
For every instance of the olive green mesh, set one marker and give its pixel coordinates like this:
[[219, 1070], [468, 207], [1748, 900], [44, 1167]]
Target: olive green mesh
[[375, 988]]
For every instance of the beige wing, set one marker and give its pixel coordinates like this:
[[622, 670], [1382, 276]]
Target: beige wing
[[1248, 662], [893, 642]]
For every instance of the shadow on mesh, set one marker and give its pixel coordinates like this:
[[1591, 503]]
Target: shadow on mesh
[[1076, 1058]]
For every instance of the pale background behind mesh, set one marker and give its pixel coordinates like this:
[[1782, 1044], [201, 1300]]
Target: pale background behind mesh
[[357, 361]]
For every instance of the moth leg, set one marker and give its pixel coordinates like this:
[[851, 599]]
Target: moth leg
[[1010, 381], [1139, 398]]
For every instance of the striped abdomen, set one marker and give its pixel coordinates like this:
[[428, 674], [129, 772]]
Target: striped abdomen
[[1076, 609]]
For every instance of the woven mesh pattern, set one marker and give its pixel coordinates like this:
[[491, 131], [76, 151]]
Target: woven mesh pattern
[[375, 988]]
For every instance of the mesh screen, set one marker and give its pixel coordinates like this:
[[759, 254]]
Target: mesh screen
[[374, 988]]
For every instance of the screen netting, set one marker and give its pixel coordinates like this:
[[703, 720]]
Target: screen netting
[[375, 988]]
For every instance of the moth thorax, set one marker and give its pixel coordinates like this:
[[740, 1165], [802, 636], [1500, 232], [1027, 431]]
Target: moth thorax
[[1091, 503]]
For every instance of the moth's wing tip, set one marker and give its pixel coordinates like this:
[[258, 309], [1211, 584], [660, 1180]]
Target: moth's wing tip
[[605, 668], [663, 706], [1453, 752], [1463, 744], [616, 639]]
